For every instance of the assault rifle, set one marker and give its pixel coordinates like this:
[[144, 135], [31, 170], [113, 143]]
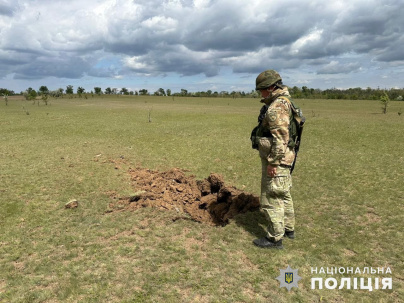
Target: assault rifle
[[298, 140]]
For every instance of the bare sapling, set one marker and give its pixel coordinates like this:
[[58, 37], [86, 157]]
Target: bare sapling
[[5, 96]]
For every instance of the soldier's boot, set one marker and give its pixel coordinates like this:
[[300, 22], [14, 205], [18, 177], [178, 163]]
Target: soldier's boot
[[290, 234], [266, 243]]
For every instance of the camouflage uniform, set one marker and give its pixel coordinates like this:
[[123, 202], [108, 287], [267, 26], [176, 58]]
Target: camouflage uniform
[[276, 200]]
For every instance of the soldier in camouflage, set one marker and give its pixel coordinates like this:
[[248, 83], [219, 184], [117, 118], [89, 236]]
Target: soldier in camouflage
[[276, 158]]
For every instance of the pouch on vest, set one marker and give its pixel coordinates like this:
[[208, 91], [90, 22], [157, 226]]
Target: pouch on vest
[[264, 147], [258, 131]]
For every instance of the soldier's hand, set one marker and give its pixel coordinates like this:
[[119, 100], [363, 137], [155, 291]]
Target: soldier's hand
[[271, 171]]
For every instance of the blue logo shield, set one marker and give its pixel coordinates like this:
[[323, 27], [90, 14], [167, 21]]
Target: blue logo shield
[[289, 277]]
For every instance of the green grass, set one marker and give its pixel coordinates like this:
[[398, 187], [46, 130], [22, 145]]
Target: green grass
[[348, 192]]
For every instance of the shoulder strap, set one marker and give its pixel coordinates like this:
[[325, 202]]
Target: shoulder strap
[[292, 106], [290, 102], [263, 111]]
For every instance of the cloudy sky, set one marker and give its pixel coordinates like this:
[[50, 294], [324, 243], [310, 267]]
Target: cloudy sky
[[200, 44]]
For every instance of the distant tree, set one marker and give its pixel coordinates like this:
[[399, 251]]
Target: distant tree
[[30, 94], [114, 91], [69, 89], [80, 90], [124, 91], [394, 94], [56, 93], [98, 90], [161, 92], [168, 92], [108, 91], [296, 92], [184, 92], [6, 91], [43, 90], [143, 92], [254, 94], [385, 100], [305, 91]]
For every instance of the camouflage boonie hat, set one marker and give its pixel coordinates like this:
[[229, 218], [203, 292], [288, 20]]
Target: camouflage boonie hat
[[266, 79]]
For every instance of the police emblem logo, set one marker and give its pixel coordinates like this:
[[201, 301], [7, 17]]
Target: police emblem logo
[[288, 278], [272, 116]]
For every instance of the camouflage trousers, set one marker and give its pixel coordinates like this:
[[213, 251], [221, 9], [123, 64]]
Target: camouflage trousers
[[276, 201]]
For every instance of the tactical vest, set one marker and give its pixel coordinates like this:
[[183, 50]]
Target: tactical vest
[[296, 121]]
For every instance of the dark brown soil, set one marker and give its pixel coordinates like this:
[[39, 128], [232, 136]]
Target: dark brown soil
[[208, 201]]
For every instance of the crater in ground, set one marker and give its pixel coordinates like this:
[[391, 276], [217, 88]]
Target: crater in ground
[[207, 201]]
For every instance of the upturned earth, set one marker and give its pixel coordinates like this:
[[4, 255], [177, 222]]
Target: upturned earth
[[208, 201]]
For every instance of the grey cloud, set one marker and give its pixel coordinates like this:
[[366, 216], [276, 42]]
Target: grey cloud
[[220, 28], [242, 65], [175, 59], [104, 72], [338, 68], [228, 28], [7, 9], [371, 27], [375, 18], [12, 58], [61, 67], [393, 53]]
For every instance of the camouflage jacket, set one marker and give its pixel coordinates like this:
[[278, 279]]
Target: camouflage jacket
[[276, 120]]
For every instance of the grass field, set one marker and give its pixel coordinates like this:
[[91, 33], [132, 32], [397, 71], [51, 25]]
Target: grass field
[[348, 192]]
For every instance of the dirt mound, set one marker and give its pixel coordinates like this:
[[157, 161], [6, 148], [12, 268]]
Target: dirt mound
[[209, 200]]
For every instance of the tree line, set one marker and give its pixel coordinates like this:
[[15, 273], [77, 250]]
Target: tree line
[[296, 92]]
